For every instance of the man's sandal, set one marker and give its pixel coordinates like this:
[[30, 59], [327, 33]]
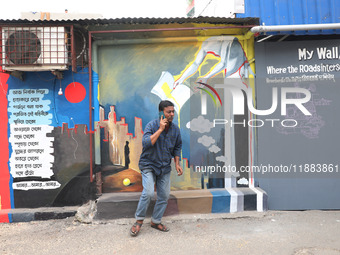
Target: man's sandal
[[162, 227], [135, 233]]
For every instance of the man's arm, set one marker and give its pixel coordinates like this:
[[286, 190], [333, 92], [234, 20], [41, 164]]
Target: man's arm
[[177, 154], [178, 167], [162, 124], [150, 138]]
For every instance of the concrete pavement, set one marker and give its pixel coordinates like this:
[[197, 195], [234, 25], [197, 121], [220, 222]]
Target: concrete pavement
[[250, 232]]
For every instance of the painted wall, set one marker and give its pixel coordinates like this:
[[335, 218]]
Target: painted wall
[[301, 154], [44, 140], [193, 74]]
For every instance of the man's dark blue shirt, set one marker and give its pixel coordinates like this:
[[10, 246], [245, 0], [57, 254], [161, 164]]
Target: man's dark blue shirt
[[158, 156]]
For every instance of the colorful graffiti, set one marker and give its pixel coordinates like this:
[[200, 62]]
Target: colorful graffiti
[[46, 146], [44, 138], [130, 93], [124, 150]]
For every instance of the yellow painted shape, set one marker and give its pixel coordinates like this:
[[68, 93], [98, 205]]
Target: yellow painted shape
[[98, 91], [205, 62], [246, 41], [207, 57], [167, 91]]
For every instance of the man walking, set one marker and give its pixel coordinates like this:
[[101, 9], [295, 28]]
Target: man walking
[[161, 142]]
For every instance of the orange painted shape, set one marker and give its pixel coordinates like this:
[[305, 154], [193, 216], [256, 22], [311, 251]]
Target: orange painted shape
[[193, 201]]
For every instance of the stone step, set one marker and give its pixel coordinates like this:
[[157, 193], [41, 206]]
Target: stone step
[[36, 214], [124, 204]]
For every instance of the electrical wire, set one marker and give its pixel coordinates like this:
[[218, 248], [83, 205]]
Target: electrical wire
[[84, 45], [205, 7], [54, 104], [73, 79], [74, 152]]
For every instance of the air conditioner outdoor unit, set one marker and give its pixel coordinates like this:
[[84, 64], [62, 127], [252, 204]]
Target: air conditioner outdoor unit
[[34, 48]]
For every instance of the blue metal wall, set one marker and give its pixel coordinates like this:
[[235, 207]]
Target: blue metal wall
[[292, 12]]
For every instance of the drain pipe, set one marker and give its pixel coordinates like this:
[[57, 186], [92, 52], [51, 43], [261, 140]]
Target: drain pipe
[[261, 29]]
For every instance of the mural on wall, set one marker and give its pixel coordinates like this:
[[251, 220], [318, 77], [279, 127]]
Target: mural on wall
[[32, 151], [44, 140], [123, 150], [190, 74]]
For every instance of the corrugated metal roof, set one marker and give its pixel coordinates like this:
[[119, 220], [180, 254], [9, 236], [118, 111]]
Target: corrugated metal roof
[[289, 12], [211, 20]]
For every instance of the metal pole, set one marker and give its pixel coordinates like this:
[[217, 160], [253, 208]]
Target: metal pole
[[90, 106], [167, 29], [259, 29]]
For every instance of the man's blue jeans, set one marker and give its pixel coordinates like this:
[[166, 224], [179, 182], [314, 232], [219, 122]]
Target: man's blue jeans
[[163, 191]]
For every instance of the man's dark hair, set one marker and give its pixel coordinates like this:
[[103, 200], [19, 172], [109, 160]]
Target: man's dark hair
[[163, 104]]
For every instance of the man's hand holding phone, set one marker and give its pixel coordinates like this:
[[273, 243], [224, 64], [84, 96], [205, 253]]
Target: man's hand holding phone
[[163, 122]]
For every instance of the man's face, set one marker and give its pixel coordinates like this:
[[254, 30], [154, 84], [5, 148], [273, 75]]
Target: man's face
[[169, 113]]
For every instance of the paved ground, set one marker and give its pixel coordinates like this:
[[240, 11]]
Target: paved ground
[[272, 232]]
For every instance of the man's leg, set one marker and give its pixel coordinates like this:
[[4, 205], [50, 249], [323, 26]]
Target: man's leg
[[163, 193], [148, 181]]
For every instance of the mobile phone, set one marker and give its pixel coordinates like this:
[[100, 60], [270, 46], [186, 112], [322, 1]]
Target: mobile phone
[[161, 114]]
